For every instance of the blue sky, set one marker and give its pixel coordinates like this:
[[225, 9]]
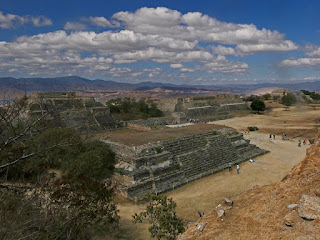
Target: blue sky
[[182, 42]]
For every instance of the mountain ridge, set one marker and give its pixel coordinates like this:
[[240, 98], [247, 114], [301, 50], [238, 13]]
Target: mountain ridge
[[76, 83]]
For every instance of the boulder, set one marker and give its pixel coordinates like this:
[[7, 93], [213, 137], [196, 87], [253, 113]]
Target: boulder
[[291, 218], [292, 206], [227, 203], [200, 227], [317, 192], [309, 207], [220, 211]]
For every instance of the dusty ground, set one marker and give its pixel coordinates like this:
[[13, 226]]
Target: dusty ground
[[262, 212], [204, 194]]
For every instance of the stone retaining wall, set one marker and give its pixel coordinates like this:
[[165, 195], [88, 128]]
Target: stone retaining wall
[[195, 107], [151, 122]]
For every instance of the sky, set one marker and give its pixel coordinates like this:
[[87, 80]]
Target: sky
[[202, 42]]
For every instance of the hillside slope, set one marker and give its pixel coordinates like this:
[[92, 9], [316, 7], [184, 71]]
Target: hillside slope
[[261, 212]]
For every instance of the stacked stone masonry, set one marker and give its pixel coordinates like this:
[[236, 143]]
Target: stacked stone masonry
[[169, 164], [214, 107], [69, 110]]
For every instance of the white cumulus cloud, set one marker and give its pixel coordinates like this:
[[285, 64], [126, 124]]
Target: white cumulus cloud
[[11, 20], [103, 22], [74, 26], [160, 35]]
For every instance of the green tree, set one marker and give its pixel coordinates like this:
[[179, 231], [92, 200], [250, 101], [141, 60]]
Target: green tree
[[288, 99], [258, 105], [126, 104], [154, 111], [266, 96], [251, 98], [90, 160], [58, 142], [143, 106], [161, 214]]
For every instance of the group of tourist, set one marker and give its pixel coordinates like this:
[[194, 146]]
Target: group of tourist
[[272, 135], [304, 142], [230, 168]]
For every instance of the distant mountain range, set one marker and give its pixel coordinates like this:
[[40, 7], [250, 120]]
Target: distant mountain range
[[75, 83]]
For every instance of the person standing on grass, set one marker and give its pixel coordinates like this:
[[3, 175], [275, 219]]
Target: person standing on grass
[[238, 168]]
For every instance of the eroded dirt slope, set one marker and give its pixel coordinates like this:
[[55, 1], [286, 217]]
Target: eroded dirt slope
[[260, 213]]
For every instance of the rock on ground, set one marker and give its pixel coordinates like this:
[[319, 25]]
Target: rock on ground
[[292, 218], [309, 207]]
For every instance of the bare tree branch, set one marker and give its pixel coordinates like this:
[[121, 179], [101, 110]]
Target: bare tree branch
[[15, 138], [23, 157]]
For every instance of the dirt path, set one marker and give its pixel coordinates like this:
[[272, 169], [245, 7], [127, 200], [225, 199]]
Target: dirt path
[[204, 194]]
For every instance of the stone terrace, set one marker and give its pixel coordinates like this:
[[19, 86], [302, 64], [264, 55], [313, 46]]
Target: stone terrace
[[131, 137], [180, 156]]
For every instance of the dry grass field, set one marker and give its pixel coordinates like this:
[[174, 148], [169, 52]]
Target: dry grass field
[[204, 194]]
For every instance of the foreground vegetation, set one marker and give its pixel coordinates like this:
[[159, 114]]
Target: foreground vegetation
[[54, 183], [161, 214]]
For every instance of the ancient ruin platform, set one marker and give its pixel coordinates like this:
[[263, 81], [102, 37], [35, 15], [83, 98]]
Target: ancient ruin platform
[[175, 156], [72, 111]]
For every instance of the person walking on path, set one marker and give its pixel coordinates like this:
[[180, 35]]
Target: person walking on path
[[299, 143], [274, 137], [230, 167], [238, 168]]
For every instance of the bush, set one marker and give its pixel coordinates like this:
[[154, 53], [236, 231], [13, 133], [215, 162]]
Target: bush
[[251, 98], [253, 128], [52, 146], [313, 95], [161, 214], [75, 157], [91, 160], [159, 150], [288, 99], [266, 96]]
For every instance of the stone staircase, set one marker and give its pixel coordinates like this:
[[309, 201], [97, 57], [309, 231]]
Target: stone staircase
[[185, 159]]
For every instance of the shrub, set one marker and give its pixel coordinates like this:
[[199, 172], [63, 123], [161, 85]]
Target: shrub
[[91, 160], [253, 128], [159, 149], [288, 99], [251, 98], [161, 214], [266, 96], [313, 95]]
